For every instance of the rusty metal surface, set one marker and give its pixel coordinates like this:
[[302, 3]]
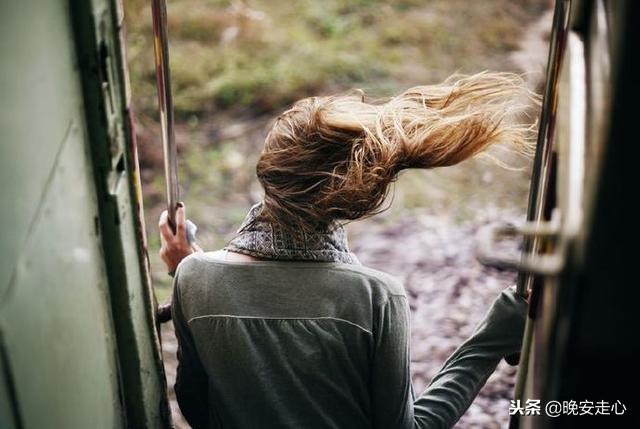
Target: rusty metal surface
[[98, 36]]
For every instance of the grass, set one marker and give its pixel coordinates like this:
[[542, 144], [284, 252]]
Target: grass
[[236, 64], [263, 54]]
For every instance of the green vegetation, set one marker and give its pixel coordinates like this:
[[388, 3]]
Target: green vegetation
[[265, 53]]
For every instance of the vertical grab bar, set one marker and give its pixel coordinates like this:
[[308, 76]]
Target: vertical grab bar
[[165, 105], [540, 181]]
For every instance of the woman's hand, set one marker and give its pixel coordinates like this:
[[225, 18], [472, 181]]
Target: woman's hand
[[175, 247]]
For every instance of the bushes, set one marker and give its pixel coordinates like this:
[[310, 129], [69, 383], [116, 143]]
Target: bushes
[[263, 54]]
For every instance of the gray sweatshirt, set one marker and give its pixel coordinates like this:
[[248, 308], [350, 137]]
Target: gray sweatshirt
[[278, 344]]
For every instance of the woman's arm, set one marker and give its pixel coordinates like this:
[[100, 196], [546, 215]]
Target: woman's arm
[[174, 248], [191, 379], [458, 382], [464, 373]]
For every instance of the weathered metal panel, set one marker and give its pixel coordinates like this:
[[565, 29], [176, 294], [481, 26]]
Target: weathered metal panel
[[98, 31], [9, 415], [54, 311], [76, 309]]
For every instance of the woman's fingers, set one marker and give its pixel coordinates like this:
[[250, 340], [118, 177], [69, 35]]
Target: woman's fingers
[[180, 221], [165, 230], [163, 218], [175, 246]]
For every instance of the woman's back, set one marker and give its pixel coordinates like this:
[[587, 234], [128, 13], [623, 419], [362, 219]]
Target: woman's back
[[324, 343], [285, 344]]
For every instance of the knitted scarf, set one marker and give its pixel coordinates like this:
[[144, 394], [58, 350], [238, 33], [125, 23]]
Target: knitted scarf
[[272, 241]]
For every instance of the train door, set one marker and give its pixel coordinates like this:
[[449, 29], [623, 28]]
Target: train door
[[78, 341], [585, 349], [578, 362]]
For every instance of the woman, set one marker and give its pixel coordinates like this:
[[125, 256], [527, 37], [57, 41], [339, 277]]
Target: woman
[[283, 327]]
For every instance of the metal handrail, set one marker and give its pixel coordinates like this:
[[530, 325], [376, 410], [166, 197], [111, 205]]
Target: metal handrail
[[538, 193], [165, 105], [542, 163]]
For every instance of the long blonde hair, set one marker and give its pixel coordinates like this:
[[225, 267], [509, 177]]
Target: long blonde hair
[[333, 158]]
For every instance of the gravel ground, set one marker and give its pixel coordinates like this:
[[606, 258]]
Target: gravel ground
[[449, 292]]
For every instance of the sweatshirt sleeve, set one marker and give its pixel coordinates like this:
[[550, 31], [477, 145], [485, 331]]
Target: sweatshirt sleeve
[[191, 380], [456, 385]]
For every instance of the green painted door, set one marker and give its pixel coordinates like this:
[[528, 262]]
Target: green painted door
[[54, 304], [78, 347]]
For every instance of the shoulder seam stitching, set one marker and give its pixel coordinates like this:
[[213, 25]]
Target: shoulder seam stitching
[[232, 316]]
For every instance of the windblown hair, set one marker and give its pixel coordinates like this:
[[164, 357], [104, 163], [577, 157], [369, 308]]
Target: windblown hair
[[333, 158]]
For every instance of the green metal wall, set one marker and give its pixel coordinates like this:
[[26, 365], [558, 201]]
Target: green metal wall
[[78, 346]]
